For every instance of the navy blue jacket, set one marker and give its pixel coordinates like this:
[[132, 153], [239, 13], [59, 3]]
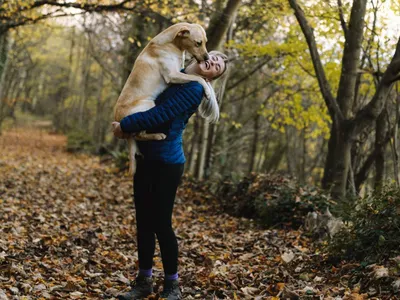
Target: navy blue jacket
[[173, 109]]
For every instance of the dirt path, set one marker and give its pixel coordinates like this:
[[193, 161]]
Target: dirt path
[[67, 232]]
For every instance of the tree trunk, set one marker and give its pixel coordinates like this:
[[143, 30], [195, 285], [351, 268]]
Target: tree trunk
[[272, 164], [215, 135], [3, 51], [6, 46], [380, 134], [199, 140], [345, 96], [209, 150], [262, 155], [194, 147], [345, 125], [302, 172], [290, 157], [219, 24], [342, 157], [395, 142], [97, 128], [253, 152], [351, 58], [84, 87], [203, 150], [3, 69]]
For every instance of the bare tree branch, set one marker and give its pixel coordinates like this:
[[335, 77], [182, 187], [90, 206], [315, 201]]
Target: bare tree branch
[[341, 16], [324, 85], [17, 18], [255, 69], [114, 80], [30, 21], [396, 79], [351, 58], [372, 110]]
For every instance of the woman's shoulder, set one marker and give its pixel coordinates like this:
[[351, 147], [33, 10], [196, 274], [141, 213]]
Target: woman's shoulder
[[194, 87]]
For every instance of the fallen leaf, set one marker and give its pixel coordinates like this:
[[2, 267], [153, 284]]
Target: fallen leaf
[[287, 257]]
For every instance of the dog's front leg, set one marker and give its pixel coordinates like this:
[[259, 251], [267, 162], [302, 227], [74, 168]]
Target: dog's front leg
[[144, 136], [178, 77]]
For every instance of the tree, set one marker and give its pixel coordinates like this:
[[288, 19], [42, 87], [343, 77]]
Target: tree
[[347, 125], [216, 33]]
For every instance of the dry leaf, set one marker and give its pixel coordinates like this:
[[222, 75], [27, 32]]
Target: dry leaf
[[287, 257]]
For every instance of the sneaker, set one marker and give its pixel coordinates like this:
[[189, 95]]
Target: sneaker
[[171, 290], [142, 288]]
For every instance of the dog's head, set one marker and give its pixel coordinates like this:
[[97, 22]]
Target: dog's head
[[192, 38]]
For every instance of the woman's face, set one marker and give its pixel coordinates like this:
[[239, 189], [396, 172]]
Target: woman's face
[[208, 69]]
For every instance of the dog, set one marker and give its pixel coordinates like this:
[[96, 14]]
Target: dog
[[157, 66]]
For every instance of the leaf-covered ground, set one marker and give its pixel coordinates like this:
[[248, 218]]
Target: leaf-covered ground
[[67, 231]]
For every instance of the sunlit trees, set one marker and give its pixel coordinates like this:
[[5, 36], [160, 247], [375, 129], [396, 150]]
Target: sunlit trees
[[349, 117], [330, 117]]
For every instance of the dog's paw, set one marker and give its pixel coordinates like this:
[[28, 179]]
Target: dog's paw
[[114, 125], [160, 136]]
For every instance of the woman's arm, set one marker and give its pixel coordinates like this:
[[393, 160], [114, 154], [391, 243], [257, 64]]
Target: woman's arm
[[187, 96]]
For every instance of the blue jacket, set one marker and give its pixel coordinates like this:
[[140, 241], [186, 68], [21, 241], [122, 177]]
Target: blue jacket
[[173, 109]]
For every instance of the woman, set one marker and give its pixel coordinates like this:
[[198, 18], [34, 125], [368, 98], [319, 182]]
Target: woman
[[160, 169]]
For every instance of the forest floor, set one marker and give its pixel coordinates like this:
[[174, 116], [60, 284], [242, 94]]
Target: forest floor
[[67, 231]]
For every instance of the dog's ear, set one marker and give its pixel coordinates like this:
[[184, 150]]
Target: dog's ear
[[183, 32]]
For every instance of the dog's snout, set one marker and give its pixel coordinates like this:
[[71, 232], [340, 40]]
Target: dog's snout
[[206, 56]]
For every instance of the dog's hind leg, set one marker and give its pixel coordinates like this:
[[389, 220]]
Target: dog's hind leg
[[133, 149]]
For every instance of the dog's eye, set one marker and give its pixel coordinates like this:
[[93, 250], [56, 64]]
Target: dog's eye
[[198, 44]]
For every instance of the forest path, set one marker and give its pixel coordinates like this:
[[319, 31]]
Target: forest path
[[67, 231]]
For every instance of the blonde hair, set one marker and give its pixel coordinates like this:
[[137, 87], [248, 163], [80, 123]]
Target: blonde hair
[[209, 108]]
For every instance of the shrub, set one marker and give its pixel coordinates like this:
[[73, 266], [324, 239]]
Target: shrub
[[121, 159], [374, 228], [273, 200], [79, 140]]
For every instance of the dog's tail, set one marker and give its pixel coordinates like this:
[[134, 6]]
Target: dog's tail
[[209, 108], [132, 151]]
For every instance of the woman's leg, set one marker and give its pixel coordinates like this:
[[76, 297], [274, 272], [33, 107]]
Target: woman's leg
[[143, 285], [164, 191], [143, 199]]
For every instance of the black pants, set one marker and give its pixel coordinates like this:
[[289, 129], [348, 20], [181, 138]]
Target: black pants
[[155, 186]]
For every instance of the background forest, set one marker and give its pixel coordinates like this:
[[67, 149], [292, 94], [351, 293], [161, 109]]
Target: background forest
[[309, 117], [327, 118]]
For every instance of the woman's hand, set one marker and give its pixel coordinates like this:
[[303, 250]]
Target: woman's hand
[[118, 131]]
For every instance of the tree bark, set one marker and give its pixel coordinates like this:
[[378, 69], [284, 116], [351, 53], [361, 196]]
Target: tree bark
[[351, 58], [97, 128], [380, 134], [85, 86], [22, 15], [345, 97], [219, 24], [203, 150], [262, 153], [395, 142], [272, 164], [323, 83], [194, 147], [4, 62], [253, 152], [345, 126]]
